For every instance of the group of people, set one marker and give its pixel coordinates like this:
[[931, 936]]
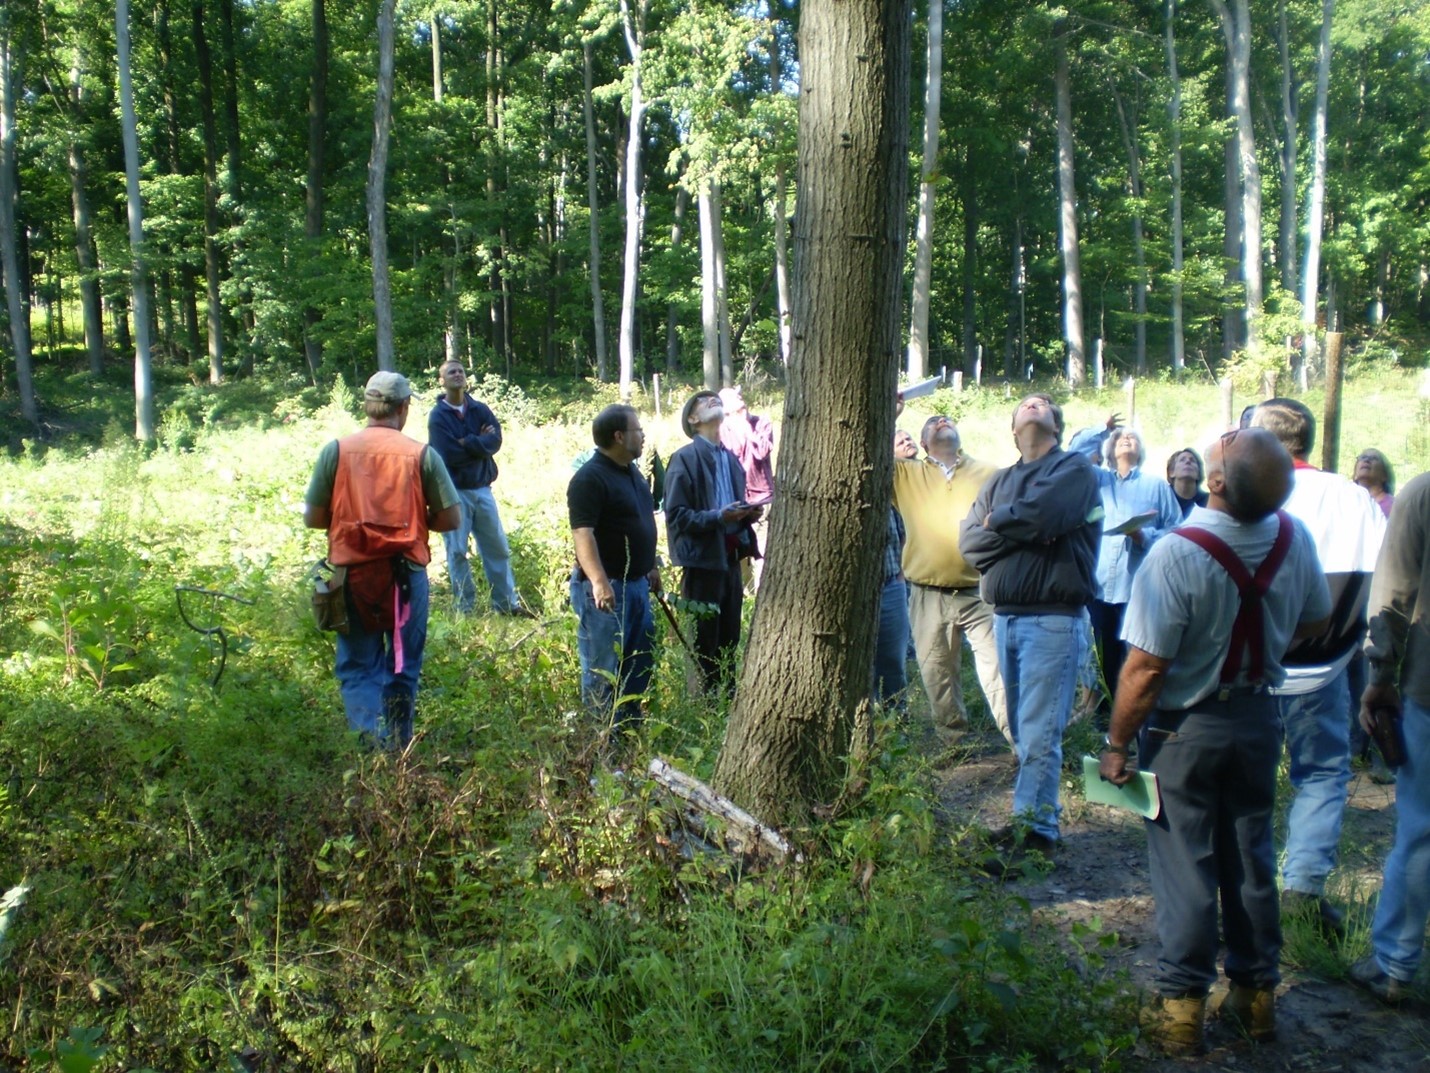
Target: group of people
[[1230, 621]]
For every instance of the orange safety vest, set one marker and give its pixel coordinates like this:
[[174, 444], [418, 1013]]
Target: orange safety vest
[[378, 507]]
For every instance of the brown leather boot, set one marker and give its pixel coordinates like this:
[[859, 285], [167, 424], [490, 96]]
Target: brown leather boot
[[1252, 1010], [1174, 1025]]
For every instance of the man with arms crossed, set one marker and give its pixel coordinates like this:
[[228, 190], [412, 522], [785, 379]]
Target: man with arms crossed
[[613, 527], [1212, 610], [1033, 534], [467, 435], [378, 493]]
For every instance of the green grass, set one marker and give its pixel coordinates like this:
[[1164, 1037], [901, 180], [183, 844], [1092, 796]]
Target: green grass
[[221, 879]]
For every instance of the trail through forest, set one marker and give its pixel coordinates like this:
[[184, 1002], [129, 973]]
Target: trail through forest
[[1325, 1024]]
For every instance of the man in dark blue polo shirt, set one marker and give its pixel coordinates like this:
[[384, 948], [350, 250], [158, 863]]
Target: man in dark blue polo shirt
[[613, 527]]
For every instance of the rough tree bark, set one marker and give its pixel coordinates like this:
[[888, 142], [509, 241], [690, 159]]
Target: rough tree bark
[[377, 186], [801, 712], [143, 364], [1067, 198], [923, 240]]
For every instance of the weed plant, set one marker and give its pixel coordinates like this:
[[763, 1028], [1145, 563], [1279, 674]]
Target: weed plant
[[220, 878]]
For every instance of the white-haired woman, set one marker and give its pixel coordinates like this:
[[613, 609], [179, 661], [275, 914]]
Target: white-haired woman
[[1137, 509]]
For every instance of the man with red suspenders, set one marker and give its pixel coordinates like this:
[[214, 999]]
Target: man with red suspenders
[[1206, 629]]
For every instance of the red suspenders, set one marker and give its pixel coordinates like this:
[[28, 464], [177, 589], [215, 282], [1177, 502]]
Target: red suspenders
[[1248, 631]]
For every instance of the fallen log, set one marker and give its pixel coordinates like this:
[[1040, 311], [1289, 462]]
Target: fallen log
[[742, 832]]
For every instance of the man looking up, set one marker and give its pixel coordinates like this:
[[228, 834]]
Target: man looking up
[[467, 435], [1033, 534], [378, 493], [1212, 610], [613, 527], [944, 604], [708, 530], [1315, 702]]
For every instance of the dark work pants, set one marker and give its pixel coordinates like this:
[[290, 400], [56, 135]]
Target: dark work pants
[[1107, 628], [1217, 767], [716, 636]]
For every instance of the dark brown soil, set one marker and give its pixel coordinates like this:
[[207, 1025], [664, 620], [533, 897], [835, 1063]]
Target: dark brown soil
[[1325, 1024]]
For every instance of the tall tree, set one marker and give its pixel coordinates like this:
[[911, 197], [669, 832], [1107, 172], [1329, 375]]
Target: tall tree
[[1067, 200], [923, 235], [212, 267], [138, 273], [593, 205], [377, 186], [1316, 196], [1174, 116], [1236, 29], [313, 189], [801, 711], [633, 25], [1127, 120], [1287, 156], [15, 299]]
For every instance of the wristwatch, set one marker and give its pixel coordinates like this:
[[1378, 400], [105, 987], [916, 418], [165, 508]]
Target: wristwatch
[[1108, 747]]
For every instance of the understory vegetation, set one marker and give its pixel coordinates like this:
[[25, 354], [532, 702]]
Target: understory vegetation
[[219, 878]]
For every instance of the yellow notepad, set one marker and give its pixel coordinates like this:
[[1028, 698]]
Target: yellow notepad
[[1141, 794]]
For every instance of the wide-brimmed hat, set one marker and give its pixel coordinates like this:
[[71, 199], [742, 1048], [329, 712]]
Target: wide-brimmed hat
[[388, 387], [688, 410]]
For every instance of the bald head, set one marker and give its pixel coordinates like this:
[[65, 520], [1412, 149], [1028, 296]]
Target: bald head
[[1248, 474]]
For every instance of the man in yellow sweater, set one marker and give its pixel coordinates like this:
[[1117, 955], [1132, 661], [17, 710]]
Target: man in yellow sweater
[[933, 497]]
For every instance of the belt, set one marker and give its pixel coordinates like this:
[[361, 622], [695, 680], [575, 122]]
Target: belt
[[947, 590]]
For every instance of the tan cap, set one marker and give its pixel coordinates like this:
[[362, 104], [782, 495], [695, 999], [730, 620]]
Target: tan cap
[[388, 387]]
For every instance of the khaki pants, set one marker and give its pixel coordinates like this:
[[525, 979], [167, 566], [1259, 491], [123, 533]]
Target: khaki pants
[[939, 619]]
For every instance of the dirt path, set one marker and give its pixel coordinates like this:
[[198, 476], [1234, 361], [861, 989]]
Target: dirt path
[[1325, 1025]]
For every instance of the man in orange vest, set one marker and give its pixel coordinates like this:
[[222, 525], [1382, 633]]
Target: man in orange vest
[[379, 493]]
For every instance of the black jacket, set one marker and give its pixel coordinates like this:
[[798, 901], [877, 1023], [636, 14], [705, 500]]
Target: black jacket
[[693, 529], [1038, 553]]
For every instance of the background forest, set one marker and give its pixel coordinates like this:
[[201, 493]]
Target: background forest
[[531, 232]]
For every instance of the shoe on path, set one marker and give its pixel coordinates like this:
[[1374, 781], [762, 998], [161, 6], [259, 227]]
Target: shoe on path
[[1175, 1025], [1368, 974], [1251, 1010]]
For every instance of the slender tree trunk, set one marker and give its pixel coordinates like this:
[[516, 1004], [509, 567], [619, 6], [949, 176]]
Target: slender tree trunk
[[84, 250], [1139, 252], [496, 279], [1179, 344], [436, 24], [1233, 313], [1236, 28], [633, 23], [1067, 199], [15, 303], [672, 311], [593, 205], [781, 210], [1289, 136], [709, 288], [1013, 337], [1316, 198], [143, 375], [722, 289], [317, 141], [801, 715], [970, 262], [377, 186], [211, 253], [923, 241]]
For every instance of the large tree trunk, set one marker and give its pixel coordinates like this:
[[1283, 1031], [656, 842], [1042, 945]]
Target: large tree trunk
[[1139, 252], [1316, 198], [15, 303], [923, 240], [1287, 245], [633, 24], [377, 187], [143, 365], [1236, 28], [211, 252], [1179, 343], [593, 206], [801, 712], [317, 141], [1067, 199]]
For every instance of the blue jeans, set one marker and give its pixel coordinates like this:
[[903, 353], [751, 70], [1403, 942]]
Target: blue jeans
[[1217, 766], [1398, 934], [381, 704], [892, 645], [614, 647], [1040, 656], [1316, 727], [481, 521]]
